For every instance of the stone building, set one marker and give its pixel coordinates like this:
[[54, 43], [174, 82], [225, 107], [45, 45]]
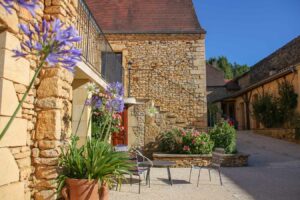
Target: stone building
[[163, 56], [163, 61], [30, 148], [283, 64]]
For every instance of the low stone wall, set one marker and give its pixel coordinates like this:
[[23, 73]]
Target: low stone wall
[[186, 160], [233, 160], [279, 133]]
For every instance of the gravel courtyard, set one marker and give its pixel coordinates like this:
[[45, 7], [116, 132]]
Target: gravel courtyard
[[273, 174]]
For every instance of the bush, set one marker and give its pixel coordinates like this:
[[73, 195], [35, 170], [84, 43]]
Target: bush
[[224, 136], [186, 142], [265, 110], [170, 141], [275, 112]]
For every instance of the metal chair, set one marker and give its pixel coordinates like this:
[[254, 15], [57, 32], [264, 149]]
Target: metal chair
[[138, 170], [215, 164]]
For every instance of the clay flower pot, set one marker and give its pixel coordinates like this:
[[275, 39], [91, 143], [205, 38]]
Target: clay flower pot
[[104, 192], [80, 189]]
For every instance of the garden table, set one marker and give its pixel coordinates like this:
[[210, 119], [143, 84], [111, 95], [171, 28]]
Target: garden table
[[158, 163]]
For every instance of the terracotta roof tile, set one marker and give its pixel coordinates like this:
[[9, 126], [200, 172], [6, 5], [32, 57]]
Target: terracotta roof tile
[[145, 16]]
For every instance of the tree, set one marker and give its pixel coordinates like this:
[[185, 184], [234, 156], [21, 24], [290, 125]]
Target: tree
[[230, 70]]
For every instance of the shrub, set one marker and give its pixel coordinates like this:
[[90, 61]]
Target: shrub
[[275, 112], [186, 142], [265, 110], [224, 136], [287, 101], [170, 141]]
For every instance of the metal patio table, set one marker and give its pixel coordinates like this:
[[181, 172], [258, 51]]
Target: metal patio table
[[160, 164]]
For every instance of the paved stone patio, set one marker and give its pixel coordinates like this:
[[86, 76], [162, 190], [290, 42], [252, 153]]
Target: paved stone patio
[[273, 173]]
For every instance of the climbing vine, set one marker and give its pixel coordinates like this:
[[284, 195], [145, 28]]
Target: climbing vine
[[274, 111]]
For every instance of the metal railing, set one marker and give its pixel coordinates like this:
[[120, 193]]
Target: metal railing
[[96, 50]]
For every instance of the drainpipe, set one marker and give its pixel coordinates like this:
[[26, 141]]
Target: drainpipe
[[129, 78]]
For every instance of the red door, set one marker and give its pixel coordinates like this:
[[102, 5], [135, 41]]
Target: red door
[[122, 137]]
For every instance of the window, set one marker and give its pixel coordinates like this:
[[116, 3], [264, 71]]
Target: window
[[111, 68]]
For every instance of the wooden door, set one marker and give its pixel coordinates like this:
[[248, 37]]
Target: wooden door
[[121, 138]]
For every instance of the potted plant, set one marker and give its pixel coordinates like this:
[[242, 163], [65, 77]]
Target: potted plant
[[83, 168]]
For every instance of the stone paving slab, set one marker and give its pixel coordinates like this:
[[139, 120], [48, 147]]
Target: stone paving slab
[[273, 174], [181, 189]]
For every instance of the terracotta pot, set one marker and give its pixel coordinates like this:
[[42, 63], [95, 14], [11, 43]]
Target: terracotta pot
[[104, 192], [80, 189]]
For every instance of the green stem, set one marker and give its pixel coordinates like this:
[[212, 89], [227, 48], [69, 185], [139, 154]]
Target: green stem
[[107, 131], [23, 99], [103, 126], [77, 128], [89, 122]]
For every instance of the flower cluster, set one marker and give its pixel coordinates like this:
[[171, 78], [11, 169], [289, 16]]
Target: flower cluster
[[92, 88], [29, 5], [95, 102], [52, 43], [115, 103], [186, 142], [112, 100], [115, 90]]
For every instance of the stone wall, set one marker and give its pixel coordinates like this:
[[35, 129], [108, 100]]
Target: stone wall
[[187, 160], [168, 69], [279, 133], [29, 151]]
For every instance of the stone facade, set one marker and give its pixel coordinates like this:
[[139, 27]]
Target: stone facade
[[168, 69]]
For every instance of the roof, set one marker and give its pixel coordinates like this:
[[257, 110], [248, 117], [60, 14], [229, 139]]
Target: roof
[[282, 58], [145, 16], [278, 75], [215, 76]]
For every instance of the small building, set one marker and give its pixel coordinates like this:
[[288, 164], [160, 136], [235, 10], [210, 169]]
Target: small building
[[162, 50], [263, 77]]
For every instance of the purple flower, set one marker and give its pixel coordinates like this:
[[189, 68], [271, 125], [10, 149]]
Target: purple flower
[[115, 90], [29, 5], [94, 102], [54, 44], [115, 105]]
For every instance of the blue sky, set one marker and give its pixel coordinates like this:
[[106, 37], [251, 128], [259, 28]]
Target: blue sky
[[246, 31]]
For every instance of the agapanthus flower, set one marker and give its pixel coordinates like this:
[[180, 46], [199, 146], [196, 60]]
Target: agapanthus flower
[[30, 5], [95, 102], [55, 44], [115, 90], [92, 88], [115, 105]]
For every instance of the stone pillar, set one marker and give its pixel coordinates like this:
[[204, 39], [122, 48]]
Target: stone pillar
[[15, 169], [81, 121], [53, 128]]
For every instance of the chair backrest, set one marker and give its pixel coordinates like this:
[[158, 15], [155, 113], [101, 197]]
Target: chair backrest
[[139, 157], [217, 159], [121, 148]]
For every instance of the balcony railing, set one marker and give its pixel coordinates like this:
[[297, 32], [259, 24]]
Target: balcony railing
[[96, 50]]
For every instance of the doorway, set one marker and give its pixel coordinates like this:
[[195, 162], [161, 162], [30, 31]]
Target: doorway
[[121, 138]]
